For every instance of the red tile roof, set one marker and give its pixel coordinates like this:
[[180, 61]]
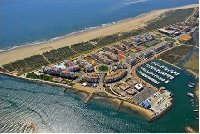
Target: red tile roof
[[121, 55]]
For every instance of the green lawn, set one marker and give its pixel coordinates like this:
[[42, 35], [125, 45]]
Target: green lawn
[[103, 68], [170, 39]]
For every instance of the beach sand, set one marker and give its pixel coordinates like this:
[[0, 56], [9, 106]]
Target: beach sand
[[145, 112], [118, 104], [115, 101], [122, 26], [78, 88]]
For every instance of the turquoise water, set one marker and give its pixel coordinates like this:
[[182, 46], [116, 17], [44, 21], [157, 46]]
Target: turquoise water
[[55, 111], [181, 113], [25, 21]]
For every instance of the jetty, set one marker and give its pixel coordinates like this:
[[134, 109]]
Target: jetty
[[103, 69], [89, 97]]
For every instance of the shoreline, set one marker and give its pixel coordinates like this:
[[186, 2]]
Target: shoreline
[[189, 129], [90, 94], [21, 52]]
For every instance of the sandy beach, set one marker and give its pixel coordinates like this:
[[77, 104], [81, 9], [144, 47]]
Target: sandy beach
[[145, 112], [122, 26]]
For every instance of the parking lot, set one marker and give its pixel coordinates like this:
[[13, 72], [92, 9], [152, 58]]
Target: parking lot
[[159, 101], [144, 94]]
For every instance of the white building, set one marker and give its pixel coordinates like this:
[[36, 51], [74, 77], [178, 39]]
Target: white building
[[139, 86]]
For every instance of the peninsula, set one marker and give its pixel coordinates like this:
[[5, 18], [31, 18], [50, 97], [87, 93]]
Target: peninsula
[[107, 62]]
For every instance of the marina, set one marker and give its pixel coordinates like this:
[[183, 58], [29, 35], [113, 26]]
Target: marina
[[178, 86], [148, 77], [116, 78], [158, 73], [53, 104]]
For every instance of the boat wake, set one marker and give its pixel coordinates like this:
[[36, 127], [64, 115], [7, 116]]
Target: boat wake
[[130, 2]]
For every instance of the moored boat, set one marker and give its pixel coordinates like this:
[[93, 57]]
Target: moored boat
[[167, 81], [191, 85], [190, 94]]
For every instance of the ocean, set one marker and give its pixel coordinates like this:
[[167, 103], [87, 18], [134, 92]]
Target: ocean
[[48, 107], [32, 21], [53, 110]]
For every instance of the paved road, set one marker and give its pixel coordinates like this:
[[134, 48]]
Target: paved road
[[101, 81]]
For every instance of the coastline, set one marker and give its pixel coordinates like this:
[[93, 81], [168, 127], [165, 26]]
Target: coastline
[[91, 94], [21, 52]]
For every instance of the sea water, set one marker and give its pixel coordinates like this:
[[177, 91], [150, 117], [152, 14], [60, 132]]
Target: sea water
[[33, 21], [181, 114], [53, 110]]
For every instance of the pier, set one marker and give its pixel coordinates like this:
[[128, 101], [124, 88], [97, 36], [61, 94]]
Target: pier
[[89, 97]]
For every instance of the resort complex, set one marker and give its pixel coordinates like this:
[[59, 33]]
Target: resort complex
[[119, 66]]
